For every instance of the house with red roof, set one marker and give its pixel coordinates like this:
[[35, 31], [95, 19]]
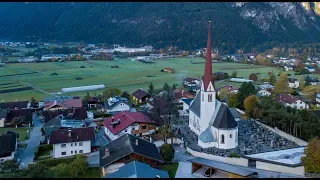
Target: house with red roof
[[134, 123], [229, 89], [289, 100], [63, 104]]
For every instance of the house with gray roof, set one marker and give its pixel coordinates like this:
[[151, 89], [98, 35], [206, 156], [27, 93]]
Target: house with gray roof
[[126, 149], [136, 169], [117, 104]]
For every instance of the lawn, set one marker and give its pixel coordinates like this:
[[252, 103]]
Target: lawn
[[22, 131], [130, 76], [171, 169]]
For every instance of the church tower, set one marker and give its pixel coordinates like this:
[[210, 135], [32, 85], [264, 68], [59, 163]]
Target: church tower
[[208, 93]]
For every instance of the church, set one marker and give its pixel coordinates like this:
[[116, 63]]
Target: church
[[210, 119]]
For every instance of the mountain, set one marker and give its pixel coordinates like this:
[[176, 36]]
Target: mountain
[[234, 24]]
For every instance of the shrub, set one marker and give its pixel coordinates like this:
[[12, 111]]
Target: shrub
[[234, 155], [55, 162], [167, 152]]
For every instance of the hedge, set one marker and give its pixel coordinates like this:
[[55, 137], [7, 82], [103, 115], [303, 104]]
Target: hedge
[[55, 162]]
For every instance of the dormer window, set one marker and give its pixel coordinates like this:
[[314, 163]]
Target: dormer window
[[106, 153]]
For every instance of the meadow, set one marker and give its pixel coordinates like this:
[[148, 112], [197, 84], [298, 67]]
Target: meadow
[[130, 75]]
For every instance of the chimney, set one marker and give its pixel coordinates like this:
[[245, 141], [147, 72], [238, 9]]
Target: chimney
[[69, 133], [112, 119], [137, 142], [74, 110], [182, 92]]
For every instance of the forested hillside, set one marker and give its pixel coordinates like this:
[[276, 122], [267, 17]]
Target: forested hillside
[[234, 25]]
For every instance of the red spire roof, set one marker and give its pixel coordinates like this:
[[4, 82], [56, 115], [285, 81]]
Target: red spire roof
[[207, 78]]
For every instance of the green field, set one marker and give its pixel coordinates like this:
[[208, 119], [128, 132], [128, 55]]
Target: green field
[[22, 131], [130, 76]]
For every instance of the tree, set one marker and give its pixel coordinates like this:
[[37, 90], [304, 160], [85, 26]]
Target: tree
[[232, 100], [253, 77], [151, 89], [174, 86], [311, 160], [34, 103], [9, 166], [166, 87], [249, 103], [299, 65], [61, 171], [222, 93], [37, 170], [272, 79], [167, 152], [234, 74], [86, 97], [111, 92], [282, 85], [245, 90], [78, 166]]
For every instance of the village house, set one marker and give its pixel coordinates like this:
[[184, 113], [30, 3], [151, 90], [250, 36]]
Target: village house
[[155, 102], [14, 105], [117, 104], [3, 116], [219, 76], [27, 59], [126, 149], [19, 118], [92, 103], [136, 169], [228, 88], [8, 145], [169, 70], [68, 142], [267, 87], [140, 96], [78, 113], [293, 83], [188, 81], [310, 69], [62, 104], [263, 92], [135, 123], [288, 68], [181, 94], [312, 80], [289, 100]]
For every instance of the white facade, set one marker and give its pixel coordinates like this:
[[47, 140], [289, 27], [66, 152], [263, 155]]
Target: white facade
[[264, 92], [70, 149], [225, 139], [310, 69], [298, 105], [2, 122], [119, 107], [294, 85], [127, 130]]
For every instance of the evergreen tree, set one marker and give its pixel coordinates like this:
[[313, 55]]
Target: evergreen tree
[[166, 87], [151, 89]]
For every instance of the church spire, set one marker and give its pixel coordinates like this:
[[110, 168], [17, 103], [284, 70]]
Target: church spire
[[207, 78]]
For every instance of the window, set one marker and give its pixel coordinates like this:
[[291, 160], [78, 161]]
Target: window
[[63, 153], [202, 97], [71, 144], [209, 97], [71, 152], [222, 139], [80, 143], [125, 130], [75, 152], [230, 135], [143, 127], [300, 102], [63, 145], [80, 151], [75, 144], [133, 128]]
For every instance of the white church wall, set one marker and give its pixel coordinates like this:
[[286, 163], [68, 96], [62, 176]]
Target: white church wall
[[228, 160], [206, 145], [207, 107], [230, 138], [192, 118]]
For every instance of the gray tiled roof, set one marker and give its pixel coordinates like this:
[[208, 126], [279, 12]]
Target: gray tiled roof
[[125, 145], [224, 119], [207, 136], [222, 166], [195, 105], [136, 169]]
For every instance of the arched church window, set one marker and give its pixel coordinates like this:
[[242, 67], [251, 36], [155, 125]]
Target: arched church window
[[222, 139], [230, 135], [202, 97], [209, 97]]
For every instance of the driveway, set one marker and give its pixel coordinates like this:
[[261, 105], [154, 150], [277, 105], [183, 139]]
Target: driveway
[[26, 155]]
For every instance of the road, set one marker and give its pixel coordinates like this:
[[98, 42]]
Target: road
[[26, 155]]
